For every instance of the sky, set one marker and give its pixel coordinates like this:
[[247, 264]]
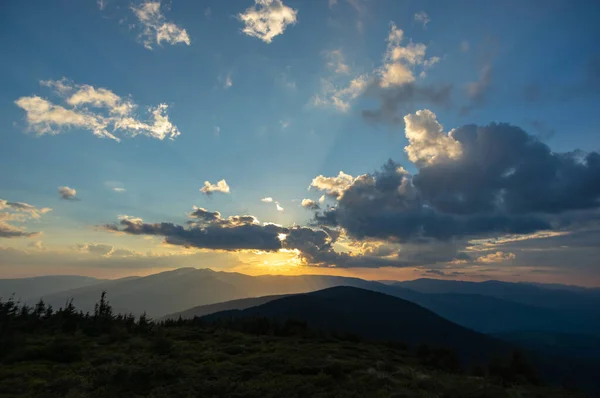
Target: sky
[[370, 138]]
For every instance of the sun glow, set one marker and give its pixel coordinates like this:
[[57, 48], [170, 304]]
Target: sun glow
[[282, 237]]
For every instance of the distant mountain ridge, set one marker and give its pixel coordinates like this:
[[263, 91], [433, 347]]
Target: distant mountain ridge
[[479, 308], [548, 296], [34, 288]]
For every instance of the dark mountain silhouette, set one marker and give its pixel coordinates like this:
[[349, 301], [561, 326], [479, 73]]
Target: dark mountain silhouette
[[374, 316]]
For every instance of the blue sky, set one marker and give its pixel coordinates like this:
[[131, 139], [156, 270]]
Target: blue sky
[[257, 111]]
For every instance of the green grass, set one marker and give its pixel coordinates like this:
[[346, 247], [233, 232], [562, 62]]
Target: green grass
[[190, 361]]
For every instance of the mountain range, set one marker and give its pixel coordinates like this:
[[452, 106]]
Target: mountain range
[[484, 307]]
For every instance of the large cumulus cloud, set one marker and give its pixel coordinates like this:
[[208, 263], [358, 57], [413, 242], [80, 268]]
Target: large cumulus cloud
[[474, 181]]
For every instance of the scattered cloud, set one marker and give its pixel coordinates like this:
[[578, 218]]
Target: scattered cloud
[[267, 19], [271, 200], [117, 189], [442, 273], [335, 61], [497, 257], [332, 186], [310, 204], [102, 4], [393, 82], [422, 18], [209, 189], [18, 212], [340, 97], [464, 46], [207, 12], [155, 29], [98, 110], [67, 193], [20, 207]]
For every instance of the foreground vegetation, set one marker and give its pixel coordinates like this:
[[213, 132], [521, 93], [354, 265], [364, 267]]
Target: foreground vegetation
[[47, 353]]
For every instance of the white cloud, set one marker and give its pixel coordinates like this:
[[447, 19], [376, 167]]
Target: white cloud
[[335, 61], [284, 124], [310, 204], [497, 257], [98, 110], [397, 69], [102, 4], [155, 27], [267, 19], [220, 186], [340, 98], [117, 189], [267, 200], [400, 61], [322, 199], [423, 18], [217, 131], [67, 193], [428, 144], [278, 206], [333, 186]]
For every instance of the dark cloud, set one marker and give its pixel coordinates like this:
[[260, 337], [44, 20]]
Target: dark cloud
[[399, 100], [9, 231], [504, 170], [504, 182], [219, 235], [442, 273], [209, 230]]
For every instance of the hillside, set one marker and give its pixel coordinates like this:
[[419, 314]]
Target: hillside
[[373, 316], [69, 354]]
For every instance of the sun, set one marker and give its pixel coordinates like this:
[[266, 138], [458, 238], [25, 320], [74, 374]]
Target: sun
[[282, 237]]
